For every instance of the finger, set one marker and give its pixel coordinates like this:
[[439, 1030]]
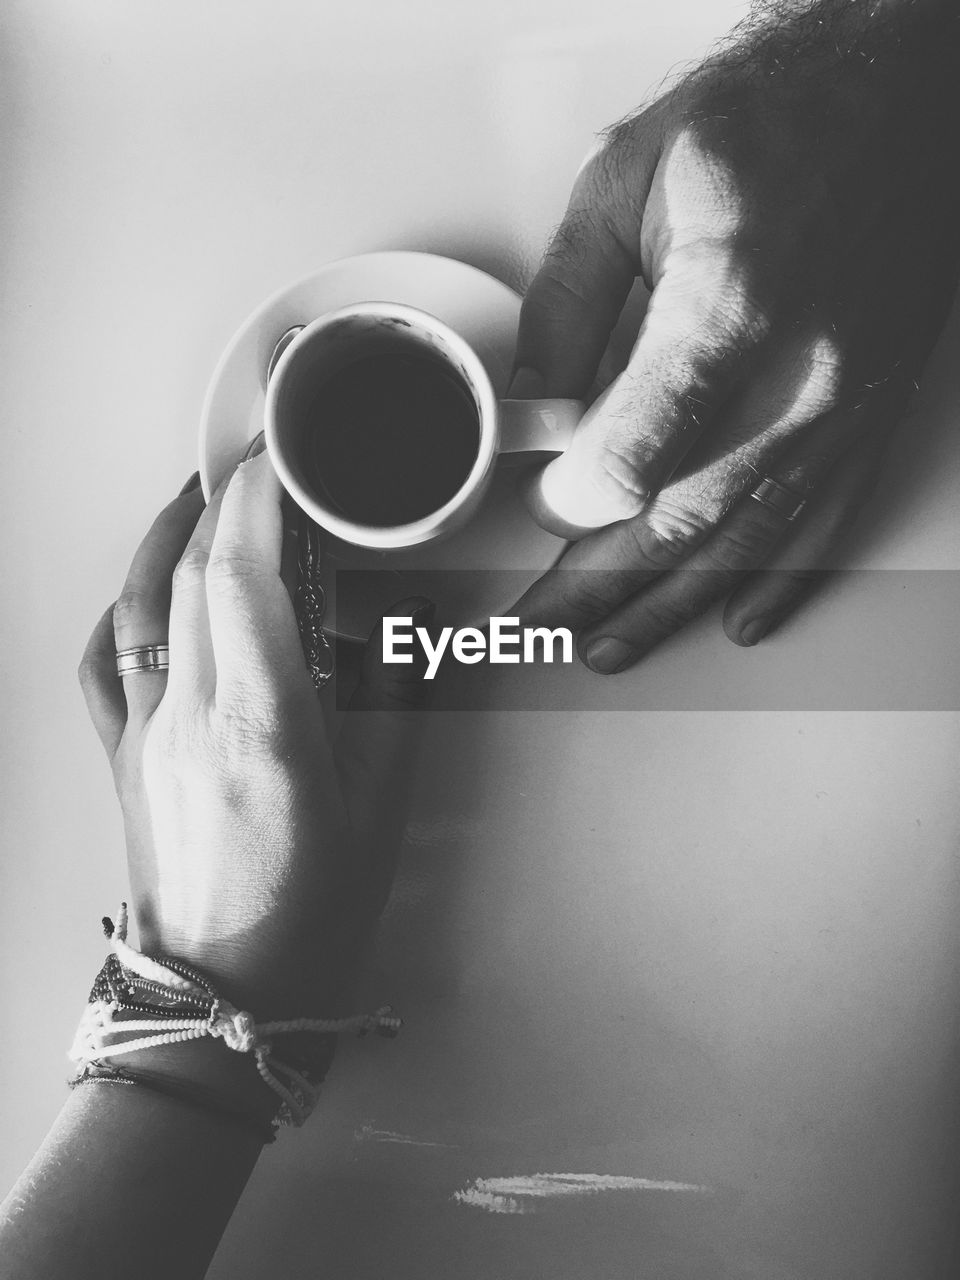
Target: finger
[[253, 629], [767, 598], [141, 614], [671, 601], [574, 300], [102, 687], [608, 568], [742, 542], [192, 675], [700, 344], [376, 747], [603, 570]]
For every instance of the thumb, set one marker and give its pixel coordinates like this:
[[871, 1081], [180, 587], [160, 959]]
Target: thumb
[[697, 347], [375, 750], [576, 297]]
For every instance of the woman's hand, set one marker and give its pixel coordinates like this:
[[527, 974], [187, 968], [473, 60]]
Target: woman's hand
[[792, 205], [259, 850]]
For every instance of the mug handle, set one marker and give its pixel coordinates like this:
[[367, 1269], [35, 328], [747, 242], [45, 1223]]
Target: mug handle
[[538, 426]]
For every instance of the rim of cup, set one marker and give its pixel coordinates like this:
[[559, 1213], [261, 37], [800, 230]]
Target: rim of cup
[[444, 518]]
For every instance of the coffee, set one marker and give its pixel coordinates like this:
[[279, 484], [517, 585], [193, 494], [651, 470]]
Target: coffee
[[384, 427], [389, 438]]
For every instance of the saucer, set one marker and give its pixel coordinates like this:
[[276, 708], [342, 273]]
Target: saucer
[[502, 545]]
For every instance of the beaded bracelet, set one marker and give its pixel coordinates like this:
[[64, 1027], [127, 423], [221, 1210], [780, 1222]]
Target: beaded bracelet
[[160, 1001]]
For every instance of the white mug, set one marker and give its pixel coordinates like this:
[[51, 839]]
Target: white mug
[[383, 425]]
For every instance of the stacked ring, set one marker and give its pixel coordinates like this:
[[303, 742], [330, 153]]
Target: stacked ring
[[146, 657]]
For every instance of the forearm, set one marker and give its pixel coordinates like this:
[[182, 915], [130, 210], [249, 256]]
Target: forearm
[[851, 14], [883, 66], [131, 1181], [865, 36]]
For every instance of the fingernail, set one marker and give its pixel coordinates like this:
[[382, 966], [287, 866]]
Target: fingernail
[[526, 384], [256, 445], [754, 631], [608, 655], [191, 484]]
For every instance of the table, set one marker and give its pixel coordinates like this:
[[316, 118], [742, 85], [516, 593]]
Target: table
[[687, 932]]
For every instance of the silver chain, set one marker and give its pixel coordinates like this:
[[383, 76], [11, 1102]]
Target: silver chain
[[311, 602]]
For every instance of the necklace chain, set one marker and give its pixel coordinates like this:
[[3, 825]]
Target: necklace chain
[[311, 603]]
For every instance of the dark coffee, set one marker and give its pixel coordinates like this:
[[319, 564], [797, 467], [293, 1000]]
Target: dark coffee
[[389, 438]]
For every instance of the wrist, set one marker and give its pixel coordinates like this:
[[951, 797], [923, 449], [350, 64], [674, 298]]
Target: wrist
[[204, 1074], [269, 982], [208, 1074], [281, 964], [162, 1023]]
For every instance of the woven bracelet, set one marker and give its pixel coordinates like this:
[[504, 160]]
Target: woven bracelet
[[161, 1001]]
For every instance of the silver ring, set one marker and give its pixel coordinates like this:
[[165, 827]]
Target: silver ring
[[146, 657], [786, 502]]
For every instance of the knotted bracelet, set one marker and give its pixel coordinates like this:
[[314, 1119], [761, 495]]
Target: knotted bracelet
[[140, 1002]]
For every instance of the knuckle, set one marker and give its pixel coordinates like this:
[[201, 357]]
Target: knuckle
[[665, 537], [570, 244], [623, 470], [131, 606], [692, 381], [595, 223], [699, 381], [617, 160], [191, 569], [740, 547], [556, 287], [740, 313], [584, 597], [230, 571], [561, 281], [822, 371], [664, 615]]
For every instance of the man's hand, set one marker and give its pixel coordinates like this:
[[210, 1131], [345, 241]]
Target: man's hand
[[793, 208]]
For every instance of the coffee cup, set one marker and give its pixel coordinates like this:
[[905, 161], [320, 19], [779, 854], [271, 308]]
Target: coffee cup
[[383, 425]]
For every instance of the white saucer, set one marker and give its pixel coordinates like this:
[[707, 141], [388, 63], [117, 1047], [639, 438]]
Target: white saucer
[[502, 537]]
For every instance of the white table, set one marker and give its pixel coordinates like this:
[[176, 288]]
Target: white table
[[693, 941]]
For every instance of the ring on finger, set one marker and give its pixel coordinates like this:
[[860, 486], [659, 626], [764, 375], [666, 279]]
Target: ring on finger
[[145, 657], [779, 497]]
